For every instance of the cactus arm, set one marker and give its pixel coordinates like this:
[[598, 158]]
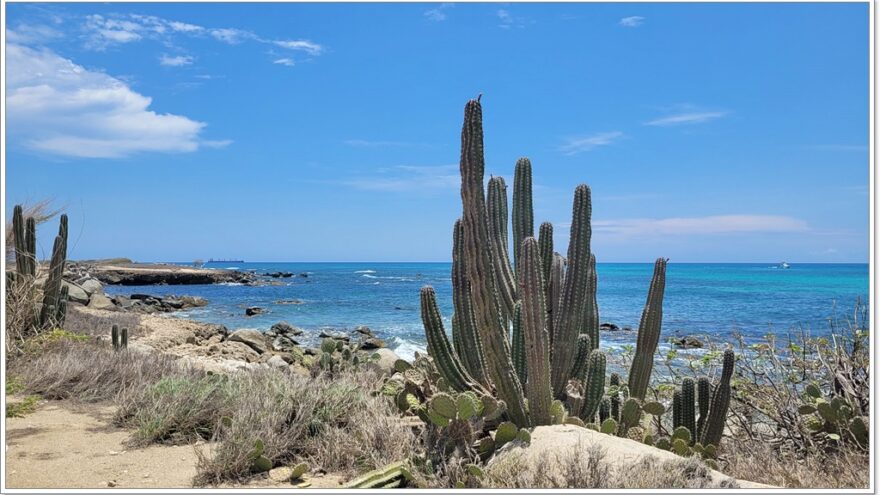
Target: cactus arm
[[704, 396], [52, 286], [649, 333], [614, 381], [534, 329], [465, 326], [713, 428], [676, 409], [582, 358], [554, 289], [595, 385], [447, 362], [688, 416], [518, 345], [569, 313], [523, 217], [591, 308], [496, 349], [505, 283]]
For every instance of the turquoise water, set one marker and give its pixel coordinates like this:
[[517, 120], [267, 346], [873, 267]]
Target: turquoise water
[[700, 298]]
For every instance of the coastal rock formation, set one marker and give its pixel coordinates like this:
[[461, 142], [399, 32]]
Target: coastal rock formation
[[75, 293], [329, 334], [609, 327], [371, 343], [118, 272], [386, 360], [253, 310], [686, 342], [148, 303]]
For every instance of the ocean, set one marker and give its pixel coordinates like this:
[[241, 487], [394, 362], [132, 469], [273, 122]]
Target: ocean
[[713, 299]]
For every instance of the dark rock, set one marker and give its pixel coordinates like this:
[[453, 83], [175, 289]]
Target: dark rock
[[372, 344], [253, 310], [279, 274], [364, 330], [327, 334], [686, 342], [304, 275], [311, 351], [283, 328], [283, 343], [609, 327], [193, 301], [627, 328]]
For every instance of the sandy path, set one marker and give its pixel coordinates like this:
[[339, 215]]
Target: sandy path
[[65, 446]]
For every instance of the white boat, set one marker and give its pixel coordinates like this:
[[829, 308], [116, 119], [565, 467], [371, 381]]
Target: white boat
[[784, 265]]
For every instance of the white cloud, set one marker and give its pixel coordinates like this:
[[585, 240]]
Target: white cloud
[[438, 14], [104, 32], [231, 36], [183, 27], [507, 20], [58, 107], [686, 118], [176, 61], [716, 224], [303, 45], [285, 61], [632, 21], [32, 34], [580, 144], [405, 178]]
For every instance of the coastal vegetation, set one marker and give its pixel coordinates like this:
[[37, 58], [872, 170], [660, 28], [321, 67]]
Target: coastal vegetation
[[522, 395]]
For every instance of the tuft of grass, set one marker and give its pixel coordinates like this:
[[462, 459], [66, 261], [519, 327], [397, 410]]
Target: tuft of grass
[[21, 408], [335, 424], [84, 322]]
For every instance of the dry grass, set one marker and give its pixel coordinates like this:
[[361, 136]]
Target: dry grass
[[83, 371], [87, 323], [23, 300], [334, 425], [588, 469], [760, 462]]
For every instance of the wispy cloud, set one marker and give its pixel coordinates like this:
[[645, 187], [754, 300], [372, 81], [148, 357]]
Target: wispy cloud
[[507, 20], [632, 21], [405, 178], [176, 61], [32, 34], [685, 118], [104, 31], [438, 14], [715, 224], [285, 61], [580, 144], [58, 107]]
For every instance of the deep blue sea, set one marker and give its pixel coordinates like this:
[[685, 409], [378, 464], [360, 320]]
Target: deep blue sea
[[701, 298]]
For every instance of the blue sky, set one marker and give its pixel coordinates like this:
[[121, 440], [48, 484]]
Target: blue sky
[[330, 132]]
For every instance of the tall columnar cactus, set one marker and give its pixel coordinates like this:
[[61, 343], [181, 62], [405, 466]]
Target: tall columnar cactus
[[594, 387], [649, 333], [676, 408], [464, 325], [582, 358], [448, 364], [614, 381], [713, 428], [568, 316], [534, 330], [554, 290], [545, 246], [704, 396], [518, 345], [25, 259], [505, 283], [478, 264], [591, 308], [688, 415], [523, 217], [49, 312]]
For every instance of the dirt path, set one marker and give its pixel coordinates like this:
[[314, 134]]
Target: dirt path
[[66, 445]]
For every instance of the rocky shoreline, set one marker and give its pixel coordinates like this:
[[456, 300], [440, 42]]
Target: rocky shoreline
[[126, 272]]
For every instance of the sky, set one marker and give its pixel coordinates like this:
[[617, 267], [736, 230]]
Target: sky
[[331, 132]]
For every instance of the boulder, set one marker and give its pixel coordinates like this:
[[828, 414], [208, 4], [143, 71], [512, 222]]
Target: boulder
[[91, 286], [329, 334], [371, 344], [123, 302], [546, 454], [277, 362], [252, 338], [253, 310], [193, 301], [686, 342], [364, 330], [75, 293], [284, 328], [239, 351], [386, 360], [283, 343], [609, 327], [101, 301]]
